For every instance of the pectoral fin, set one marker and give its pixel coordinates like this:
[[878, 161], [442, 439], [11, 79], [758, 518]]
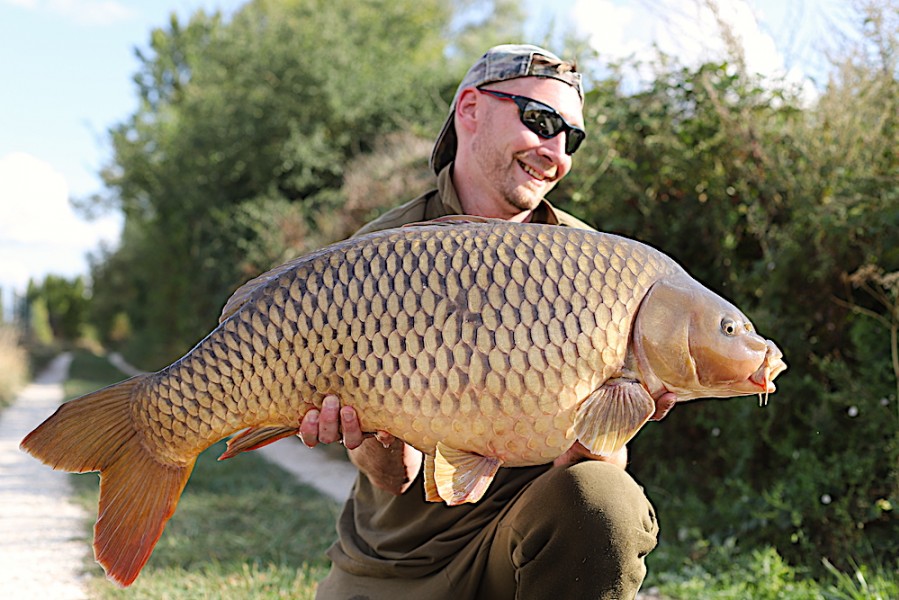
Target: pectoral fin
[[462, 476], [431, 493], [612, 415], [255, 438]]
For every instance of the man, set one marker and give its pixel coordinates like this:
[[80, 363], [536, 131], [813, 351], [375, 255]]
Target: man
[[578, 528]]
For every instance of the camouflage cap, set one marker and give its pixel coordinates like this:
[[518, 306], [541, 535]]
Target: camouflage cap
[[501, 63]]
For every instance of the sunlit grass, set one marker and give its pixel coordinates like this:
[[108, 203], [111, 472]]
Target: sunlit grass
[[243, 529], [89, 372], [727, 572], [13, 364]]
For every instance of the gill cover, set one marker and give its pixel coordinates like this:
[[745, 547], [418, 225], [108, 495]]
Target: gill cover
[[695, 342]]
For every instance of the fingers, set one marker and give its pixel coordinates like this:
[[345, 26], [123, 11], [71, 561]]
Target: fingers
[[352, 434], [619, 459], [578, 453], [386, 438], [326, 425], [664, 404], [329, 421], [309, 428]]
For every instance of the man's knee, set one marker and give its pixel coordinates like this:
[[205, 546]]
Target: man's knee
[[578, 531], [601, 501]]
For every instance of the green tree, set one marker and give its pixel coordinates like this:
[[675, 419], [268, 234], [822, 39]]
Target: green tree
[[241, 141], [64, 304], [39, 323]]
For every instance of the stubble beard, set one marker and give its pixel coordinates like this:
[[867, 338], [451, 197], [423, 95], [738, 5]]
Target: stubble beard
[[522, 199], [504, 176]]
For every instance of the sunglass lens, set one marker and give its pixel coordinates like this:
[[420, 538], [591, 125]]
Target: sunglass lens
[[547, 123], [542, 121], [573, 140]]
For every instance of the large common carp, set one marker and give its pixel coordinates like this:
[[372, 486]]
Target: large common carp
[[482, 344]]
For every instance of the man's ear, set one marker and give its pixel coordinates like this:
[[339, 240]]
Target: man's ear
[[467, 110]]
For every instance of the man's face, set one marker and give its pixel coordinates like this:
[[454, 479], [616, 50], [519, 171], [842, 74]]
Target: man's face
[[517, 165]]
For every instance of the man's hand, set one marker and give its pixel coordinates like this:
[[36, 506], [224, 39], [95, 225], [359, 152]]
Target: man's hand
[[387, 461], [326, 426], [578, 452], [663, 405]]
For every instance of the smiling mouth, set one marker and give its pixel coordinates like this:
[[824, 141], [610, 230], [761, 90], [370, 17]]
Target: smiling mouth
[[532, 172]]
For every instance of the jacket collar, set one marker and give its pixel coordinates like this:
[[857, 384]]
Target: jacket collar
[[446, 193]]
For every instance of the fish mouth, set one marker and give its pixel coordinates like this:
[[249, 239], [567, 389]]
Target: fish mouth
[[772, 366]]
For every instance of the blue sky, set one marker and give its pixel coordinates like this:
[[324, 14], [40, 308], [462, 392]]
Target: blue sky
[[66, 67]]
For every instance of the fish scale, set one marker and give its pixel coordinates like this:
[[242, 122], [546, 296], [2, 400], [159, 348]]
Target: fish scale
[[431, 323], [482, 344]]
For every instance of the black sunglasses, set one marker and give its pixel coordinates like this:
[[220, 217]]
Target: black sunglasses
[[543, 120]]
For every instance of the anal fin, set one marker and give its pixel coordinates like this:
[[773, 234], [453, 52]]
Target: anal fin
[[255, 438], [608, 418], [462, 476]]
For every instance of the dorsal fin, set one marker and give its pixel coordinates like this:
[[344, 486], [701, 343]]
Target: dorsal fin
[[455, 220], [242, 295]]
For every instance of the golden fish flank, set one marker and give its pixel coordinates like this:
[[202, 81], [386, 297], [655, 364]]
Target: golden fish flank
[[481, 344]]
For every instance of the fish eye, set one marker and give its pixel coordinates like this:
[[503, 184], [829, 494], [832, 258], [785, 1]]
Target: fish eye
[[728, 326]]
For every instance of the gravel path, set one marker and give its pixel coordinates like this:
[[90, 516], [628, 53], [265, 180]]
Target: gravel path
[[41, 555], [42, 551]]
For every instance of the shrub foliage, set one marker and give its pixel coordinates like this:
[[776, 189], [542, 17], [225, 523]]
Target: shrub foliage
[[792, 212]]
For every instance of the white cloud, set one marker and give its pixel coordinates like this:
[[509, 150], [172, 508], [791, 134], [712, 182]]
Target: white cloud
[[92, 12], [22, 3], [691, 31], [34, 201], [83, 12], [610, 27], [39, 231]]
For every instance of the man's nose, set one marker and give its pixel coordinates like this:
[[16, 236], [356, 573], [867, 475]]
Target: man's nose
[[553, 149]]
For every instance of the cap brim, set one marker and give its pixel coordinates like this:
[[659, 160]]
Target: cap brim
[[445, 147]]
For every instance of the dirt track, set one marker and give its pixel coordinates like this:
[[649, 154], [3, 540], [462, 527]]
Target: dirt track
[[42, 550], [41, 555]]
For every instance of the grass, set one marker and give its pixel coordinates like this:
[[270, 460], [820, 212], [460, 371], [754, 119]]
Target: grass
[[13, 364], [727, 572], [243, 529], [89, 372]]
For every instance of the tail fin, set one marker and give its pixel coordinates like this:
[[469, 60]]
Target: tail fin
[[138, 493]]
